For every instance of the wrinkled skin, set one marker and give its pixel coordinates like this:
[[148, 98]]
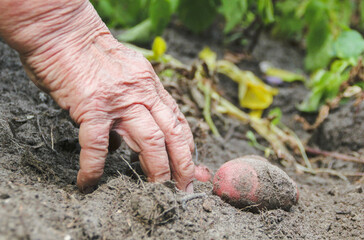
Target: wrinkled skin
[[203, 173], [69, 53]]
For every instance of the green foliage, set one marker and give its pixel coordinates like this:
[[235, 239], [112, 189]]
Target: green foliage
[[349, 44], [288, 24], [146, 19], [140, 33], [322, 26], [125, 13], [318, 38], [325, 85], [234, 11], [160, 12], [265, 9], [361, 10], [197, 15], [275, 114], [320, 23]]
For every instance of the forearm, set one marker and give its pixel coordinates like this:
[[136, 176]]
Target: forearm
[[38, 25]]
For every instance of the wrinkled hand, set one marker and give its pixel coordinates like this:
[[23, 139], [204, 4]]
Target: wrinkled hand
[[107, 88]]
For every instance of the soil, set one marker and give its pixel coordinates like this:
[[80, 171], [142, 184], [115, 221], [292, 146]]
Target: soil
[[39, 154]]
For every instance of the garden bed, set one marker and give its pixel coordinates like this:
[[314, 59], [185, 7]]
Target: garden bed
[[39, 154]]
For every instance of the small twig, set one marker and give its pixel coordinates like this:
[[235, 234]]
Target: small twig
[[132, 169], [336, 155], [52, 140], [250, 207], [323, 114], [322, 170], [42, 135], [190, 197], [301, 148], [332, 172], [40, 130], [357, 174]]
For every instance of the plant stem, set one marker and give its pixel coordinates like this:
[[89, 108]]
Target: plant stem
[[334, 155], [207, 112]]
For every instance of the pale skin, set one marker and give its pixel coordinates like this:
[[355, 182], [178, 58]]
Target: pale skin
[[68, 52]]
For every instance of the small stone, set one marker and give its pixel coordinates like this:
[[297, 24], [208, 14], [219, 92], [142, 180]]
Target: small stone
[[207, 205]]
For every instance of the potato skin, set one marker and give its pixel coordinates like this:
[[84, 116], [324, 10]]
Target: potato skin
[[252, 182]]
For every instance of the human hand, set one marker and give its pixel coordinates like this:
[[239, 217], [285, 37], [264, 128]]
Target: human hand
[[106, 87]]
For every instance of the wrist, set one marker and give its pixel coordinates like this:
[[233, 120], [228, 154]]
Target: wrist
[[36, 26], [54, 40]]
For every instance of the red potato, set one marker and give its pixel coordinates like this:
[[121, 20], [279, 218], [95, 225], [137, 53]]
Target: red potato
[[252, 182], [203, 173]]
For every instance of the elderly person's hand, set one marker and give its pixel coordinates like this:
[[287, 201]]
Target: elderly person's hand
[[69, 53]]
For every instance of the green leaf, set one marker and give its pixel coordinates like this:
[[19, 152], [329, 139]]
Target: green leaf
[[321, 57], [141, 33], [197, 15], [311, 103], [361, 7], [130, 12], [265, 9], [104, 8], [174, 5], [326, 85], [349, 44], [344, 11], [233, 11], [252, 139], [275, 114], [160, 12], [319, 30], [288, 25]]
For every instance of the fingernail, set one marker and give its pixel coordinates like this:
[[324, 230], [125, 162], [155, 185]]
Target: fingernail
[[189, 188], [88, 189]]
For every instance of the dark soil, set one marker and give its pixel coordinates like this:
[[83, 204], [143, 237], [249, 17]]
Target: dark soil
[[39, 154]]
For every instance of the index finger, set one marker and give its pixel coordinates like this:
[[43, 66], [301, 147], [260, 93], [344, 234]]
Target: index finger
[[177, 143]]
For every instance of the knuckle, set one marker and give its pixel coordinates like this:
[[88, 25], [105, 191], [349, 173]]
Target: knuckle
[[187, 168], [177, 129], [144, 74], [184, 171], [98, 143], [175, 107], [154, 138]]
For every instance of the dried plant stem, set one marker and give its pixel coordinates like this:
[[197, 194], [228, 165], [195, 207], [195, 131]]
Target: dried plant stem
[[131, 168], [334, 155], [207, 111]]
